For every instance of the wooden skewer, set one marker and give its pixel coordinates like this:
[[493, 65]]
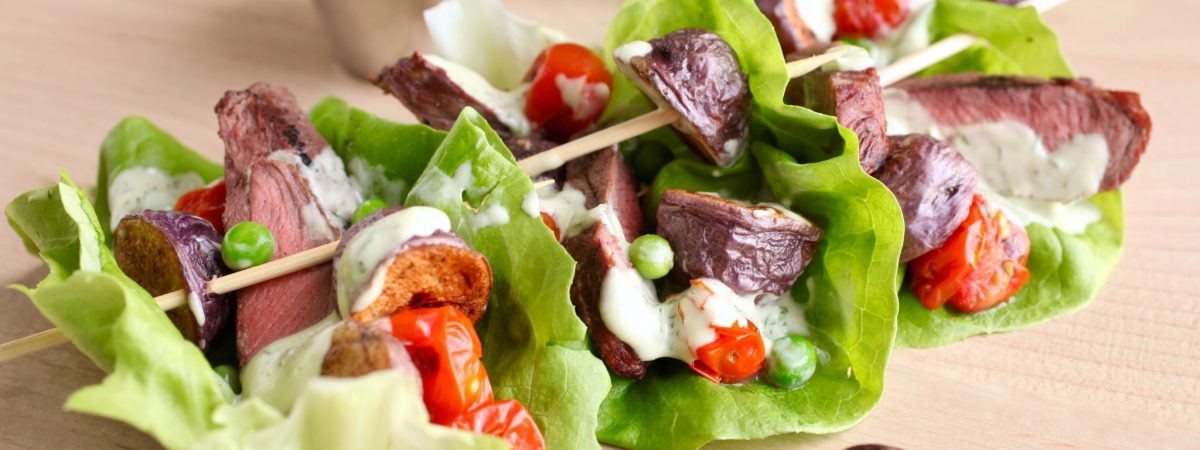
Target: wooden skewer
[[534, 165]]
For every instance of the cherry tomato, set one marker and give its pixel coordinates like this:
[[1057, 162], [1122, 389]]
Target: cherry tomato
[[506, 419], [208, 203], [869, 18], [981, 265], [568, 91], [445, 349], [552, 225], [737, 354], [1001, 272]]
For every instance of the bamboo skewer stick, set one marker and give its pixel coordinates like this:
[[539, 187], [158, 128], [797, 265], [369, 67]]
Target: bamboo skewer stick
[[534, 165]]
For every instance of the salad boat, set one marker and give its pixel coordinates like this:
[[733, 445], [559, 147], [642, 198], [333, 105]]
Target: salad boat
[[735, 273]]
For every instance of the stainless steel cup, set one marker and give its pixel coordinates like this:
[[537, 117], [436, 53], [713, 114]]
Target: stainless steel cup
[[369, 34]]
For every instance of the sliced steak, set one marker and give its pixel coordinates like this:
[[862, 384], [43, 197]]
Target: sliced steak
[[749, 248], [258, 121], [696, 73], [269, 148], [856, 99], [597, 251], [603, 178], [1058, 111], [934, 185], [285, 305], [425, 87], [794, 35]]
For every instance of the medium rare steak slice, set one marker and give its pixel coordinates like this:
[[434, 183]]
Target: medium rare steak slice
[[1060, 113], [751, 249], [856, 99], [603, 178], [696, 73], [436, 96], [273, 309], [934, 185], [598, 251], [794, 35], [277, 169]]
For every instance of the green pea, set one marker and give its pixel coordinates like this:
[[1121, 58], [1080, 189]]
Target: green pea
[[792, 362], [229, 375], [368, 207], [246, 245], [651, 256], [649, 158]]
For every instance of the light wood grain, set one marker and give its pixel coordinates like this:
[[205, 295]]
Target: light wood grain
[[1123, 373]]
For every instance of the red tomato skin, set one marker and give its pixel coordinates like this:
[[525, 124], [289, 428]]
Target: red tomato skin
[[506, 419], [207, 203], [444, 347], [737, 354], [980, 266], [544, 103], [869, 18]]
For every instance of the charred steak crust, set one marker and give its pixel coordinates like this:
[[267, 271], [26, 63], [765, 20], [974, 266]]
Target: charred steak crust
[[603, 178], [596, 251], [856, 99], [259, 120], [1057, 110], [790, 28], [696, 73], [749, 248], [427, 91], [933, 184]]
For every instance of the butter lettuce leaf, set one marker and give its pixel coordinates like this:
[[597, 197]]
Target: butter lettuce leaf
[[534, 345], [809, 163], [1015, 40], [136, 142]]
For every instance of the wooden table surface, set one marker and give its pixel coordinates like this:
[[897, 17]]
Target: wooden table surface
[[1123, 373]]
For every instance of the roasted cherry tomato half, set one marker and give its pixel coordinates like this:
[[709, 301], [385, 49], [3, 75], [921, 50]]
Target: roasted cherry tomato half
[[979, 266], [444, 347], [737, 354], [508, 419], [569, 88], [208, 203], [552, 225], [868, 18]]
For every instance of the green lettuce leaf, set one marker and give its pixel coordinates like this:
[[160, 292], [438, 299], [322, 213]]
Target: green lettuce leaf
[[534, 345], [1015, 40], [849, 289], [135, 142], [385, 158], [1066, 271]]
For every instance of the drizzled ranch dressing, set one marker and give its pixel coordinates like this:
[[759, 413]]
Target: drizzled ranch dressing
[[279, 371], [140, 188], [1017, 172]]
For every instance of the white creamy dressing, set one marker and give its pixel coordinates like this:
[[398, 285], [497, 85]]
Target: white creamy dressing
[[574, 90], [279, 372], [326, 177], [818, 16], [633, 49], [567, 208], [509, 106], [316, 224], [532, 205], [857, 58], [436, 187], [491, 216], [197, 309], [911, 37], [373, 178], [140, 188], [680, 326], [368, 255], [1017, 172]]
